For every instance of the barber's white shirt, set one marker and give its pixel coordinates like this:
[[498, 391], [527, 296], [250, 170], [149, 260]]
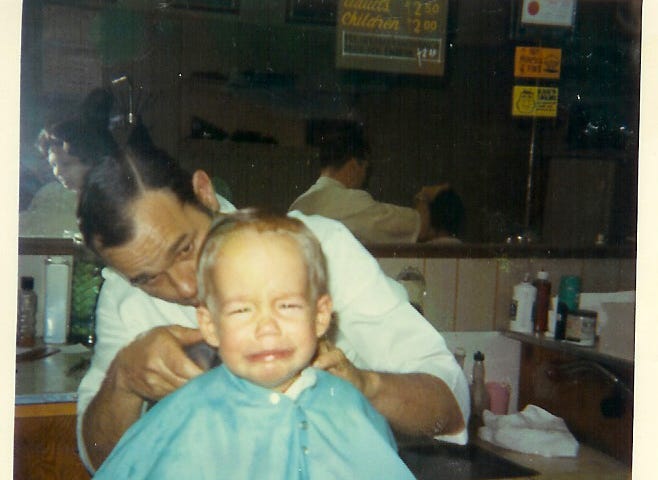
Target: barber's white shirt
[[369, 220], [377, 328]]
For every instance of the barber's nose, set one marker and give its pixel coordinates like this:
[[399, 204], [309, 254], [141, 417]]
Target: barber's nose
[[183, 277]]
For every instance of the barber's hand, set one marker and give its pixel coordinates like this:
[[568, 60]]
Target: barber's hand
[[334, 361], [429, 192], [155, 364]]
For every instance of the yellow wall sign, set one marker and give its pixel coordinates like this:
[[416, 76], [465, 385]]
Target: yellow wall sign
[[537, 62], [528, 101]]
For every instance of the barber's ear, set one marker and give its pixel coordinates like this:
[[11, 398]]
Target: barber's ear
[[204, 190], [207, 326], [324, 308]]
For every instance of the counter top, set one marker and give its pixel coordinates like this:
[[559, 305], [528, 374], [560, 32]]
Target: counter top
[[56, 378], [52, 379], [590, 464]]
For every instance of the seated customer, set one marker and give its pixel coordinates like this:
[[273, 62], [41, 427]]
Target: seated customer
[[265, 412], [446, 218], [338, 194]]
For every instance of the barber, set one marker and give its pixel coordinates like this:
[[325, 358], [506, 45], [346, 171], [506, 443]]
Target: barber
[[146, 218]]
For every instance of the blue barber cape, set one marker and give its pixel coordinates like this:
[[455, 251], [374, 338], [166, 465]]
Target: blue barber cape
[[219, 426]]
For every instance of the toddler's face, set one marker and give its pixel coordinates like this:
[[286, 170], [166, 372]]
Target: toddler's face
[[265, 327]]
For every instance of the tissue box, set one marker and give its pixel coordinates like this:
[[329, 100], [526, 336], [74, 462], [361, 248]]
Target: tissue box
[[617, 337]]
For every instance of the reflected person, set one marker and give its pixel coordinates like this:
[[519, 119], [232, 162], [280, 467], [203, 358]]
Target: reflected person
[[147, 218], [71, 147], [339, 194]]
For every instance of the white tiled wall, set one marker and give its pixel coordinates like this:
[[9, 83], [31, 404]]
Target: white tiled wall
[[473, 294], [468, 300]]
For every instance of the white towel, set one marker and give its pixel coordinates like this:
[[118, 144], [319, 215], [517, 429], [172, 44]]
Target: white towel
[[534, 430]]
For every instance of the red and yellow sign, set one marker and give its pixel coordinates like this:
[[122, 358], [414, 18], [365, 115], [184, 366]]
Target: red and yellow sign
[[530, 101], [537, 62]]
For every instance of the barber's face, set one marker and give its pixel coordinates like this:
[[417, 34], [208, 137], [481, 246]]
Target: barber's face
[[161, 257]]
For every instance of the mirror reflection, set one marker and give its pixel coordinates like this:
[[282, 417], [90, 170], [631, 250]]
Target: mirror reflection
[[255, 92]]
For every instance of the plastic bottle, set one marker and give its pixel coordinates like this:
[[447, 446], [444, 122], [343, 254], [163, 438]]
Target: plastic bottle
[[569, 291], [27, 313], [520, 313], [479, 395], [542, 302]]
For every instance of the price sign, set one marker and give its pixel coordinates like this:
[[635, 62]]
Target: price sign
[[405, 36]]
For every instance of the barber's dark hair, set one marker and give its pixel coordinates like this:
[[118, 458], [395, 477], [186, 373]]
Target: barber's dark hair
[[110, 189], [338, 149], [447, 212]]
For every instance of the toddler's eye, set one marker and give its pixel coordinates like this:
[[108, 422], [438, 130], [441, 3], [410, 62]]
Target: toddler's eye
[[290, 305], [239, 310]]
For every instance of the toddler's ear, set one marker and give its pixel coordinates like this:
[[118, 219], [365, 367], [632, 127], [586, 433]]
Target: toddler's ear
[[207, 326], [324, 307]]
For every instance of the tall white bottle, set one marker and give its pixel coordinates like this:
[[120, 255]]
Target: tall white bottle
[[520, 314], [57, 304]]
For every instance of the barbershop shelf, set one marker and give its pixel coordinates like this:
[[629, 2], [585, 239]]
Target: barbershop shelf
[[491, 250], [50, 246], [588, 353]]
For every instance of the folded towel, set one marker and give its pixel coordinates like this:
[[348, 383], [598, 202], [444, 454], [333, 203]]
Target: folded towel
[[534, 430]]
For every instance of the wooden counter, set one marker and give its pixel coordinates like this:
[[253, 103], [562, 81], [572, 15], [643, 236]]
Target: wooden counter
[[590, 464], [45, 443], [45, 416]]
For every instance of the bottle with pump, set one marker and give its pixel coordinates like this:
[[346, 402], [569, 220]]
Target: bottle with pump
[[542, 302], [479, 395], [27, 313]]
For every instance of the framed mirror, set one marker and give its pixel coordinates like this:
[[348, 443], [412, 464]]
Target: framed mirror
[[259, 75]]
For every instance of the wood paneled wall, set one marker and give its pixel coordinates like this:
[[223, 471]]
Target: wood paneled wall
[[580, 399]]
